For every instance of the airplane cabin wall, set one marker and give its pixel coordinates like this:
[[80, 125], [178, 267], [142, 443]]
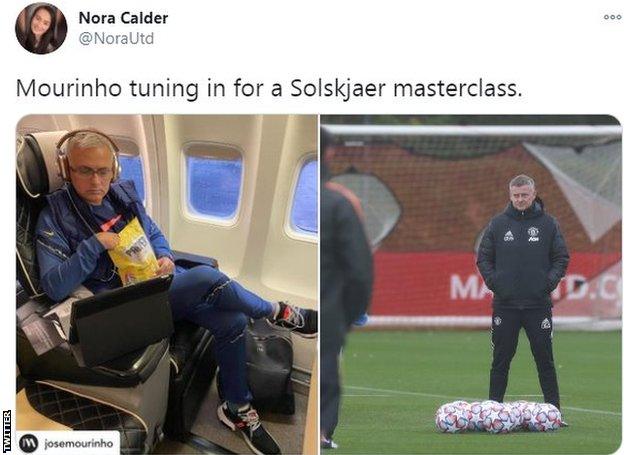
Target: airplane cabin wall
[[255, 249]]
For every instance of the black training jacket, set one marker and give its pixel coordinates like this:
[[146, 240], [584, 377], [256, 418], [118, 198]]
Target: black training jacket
[[346, 267], [522, 257]]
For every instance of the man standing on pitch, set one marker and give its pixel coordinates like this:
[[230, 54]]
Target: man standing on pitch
[[522, 257], [346, 286]]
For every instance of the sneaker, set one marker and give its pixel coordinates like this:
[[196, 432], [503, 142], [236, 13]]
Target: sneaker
[[247, 422], [328, 444], [563, 422], [300, 320]]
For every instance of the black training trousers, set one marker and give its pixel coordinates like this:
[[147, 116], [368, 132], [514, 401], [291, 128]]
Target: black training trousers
[[506, 325], [330, 389]]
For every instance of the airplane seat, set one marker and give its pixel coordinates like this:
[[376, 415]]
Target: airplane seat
[[190, 348], [129, 393], [193, 369], [193, 363]]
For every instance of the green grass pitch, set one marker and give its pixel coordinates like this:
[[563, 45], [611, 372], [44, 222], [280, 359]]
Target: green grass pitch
[[394, 381]]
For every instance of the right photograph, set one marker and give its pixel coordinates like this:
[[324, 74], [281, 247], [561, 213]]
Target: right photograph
[[471, 284]]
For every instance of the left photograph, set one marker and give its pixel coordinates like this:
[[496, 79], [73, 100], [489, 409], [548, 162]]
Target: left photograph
[[167, 282]]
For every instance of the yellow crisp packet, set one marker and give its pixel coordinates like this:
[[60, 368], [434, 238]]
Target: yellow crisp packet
[[134, 256]]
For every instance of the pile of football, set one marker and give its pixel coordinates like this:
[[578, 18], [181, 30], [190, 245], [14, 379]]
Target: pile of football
[[494, 417]]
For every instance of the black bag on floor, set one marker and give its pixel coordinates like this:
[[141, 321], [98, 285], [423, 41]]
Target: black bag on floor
[[269, 367]]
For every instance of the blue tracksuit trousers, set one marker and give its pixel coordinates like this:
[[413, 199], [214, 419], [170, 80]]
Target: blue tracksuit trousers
[[207, 297]]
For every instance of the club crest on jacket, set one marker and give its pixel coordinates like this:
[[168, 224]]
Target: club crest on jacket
[[533, 234]]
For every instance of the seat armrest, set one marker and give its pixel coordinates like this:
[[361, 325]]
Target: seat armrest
[[59, 364], [189, 260], [139, 364]]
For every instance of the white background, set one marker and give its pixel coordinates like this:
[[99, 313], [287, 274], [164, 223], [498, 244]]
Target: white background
[[564, 56]]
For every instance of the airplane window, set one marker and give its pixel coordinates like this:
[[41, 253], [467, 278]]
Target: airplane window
[[214, 185], [303, 217], [131, 163], [132, 169]]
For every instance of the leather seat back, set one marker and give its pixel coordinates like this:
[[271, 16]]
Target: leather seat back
[[37, 175]]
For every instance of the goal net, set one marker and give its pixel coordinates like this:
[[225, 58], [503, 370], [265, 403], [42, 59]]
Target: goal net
[[428, 192]]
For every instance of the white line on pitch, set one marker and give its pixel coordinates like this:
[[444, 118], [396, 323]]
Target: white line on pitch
[[433, 395], [593, 411], [402, 392], [527, 395], [362, 395]]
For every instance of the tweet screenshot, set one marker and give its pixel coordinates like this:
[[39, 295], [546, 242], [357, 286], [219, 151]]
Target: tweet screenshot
[[318, 228]]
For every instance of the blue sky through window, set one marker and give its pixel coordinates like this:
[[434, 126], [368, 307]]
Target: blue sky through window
[[132, 169], [214, 185], [304, 211]]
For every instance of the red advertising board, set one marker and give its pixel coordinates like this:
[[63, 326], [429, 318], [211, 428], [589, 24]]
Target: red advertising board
[[449, 284]]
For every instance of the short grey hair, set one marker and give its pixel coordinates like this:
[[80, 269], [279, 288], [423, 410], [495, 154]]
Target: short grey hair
[[86, 140], [522, 180]]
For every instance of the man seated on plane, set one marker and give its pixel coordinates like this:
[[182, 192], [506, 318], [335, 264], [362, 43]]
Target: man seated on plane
[[80, 223]]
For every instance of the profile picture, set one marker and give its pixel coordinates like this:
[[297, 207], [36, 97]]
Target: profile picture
[[41, 28]]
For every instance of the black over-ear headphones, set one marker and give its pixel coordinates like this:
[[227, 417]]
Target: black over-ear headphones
[[63, 162]]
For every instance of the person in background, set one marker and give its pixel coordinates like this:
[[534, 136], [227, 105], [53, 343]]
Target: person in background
[[346, 287]]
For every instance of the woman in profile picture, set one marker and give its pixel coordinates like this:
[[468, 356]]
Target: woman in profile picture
[[36, 30]]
